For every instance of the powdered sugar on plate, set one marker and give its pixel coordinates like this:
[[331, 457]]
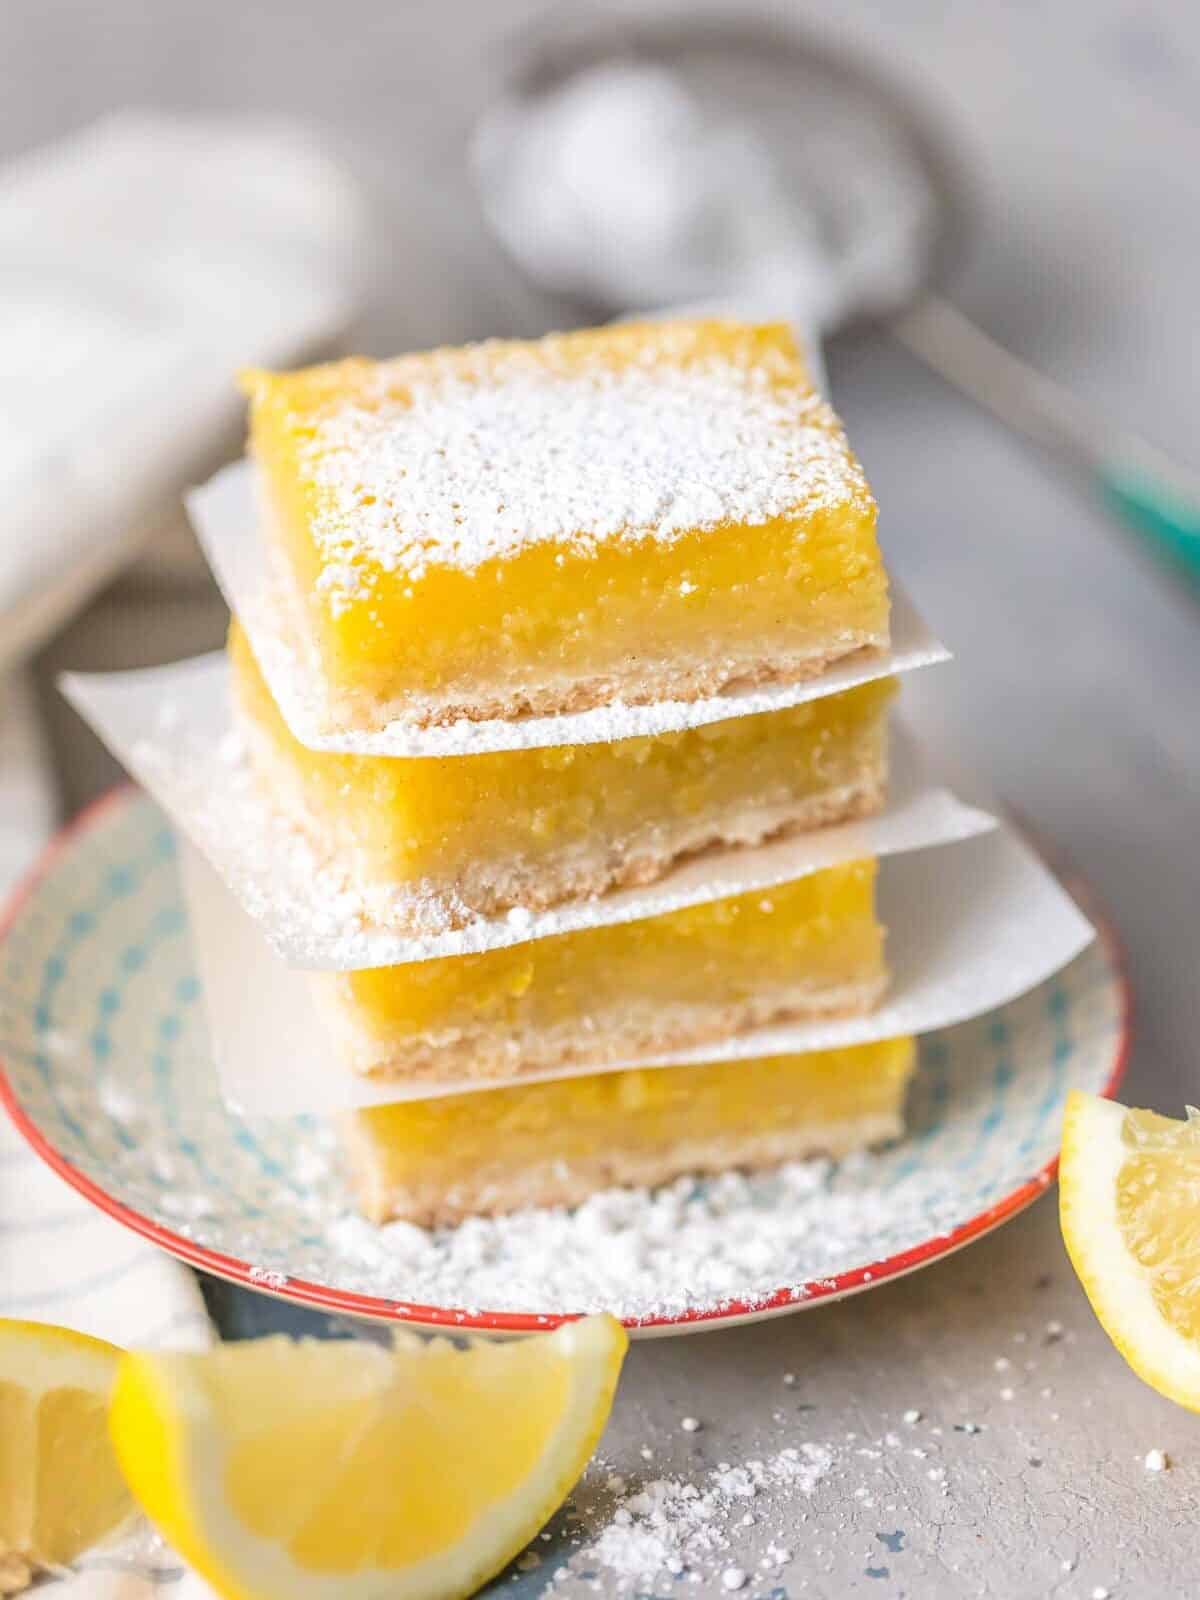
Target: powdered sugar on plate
[[646, 1254], [106, 919]]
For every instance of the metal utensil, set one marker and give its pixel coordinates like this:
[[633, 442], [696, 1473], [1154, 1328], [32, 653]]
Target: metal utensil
[[639, 166]]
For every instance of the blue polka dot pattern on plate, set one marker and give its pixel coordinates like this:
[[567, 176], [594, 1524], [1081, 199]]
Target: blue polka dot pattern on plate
[[105, 1047]]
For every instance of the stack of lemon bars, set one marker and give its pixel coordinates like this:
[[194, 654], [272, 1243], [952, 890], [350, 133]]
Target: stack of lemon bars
[[591, 522]]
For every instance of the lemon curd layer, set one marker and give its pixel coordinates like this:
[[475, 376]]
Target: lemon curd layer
[[479, 834], [637, 512], [437, 1161], [810, 947]]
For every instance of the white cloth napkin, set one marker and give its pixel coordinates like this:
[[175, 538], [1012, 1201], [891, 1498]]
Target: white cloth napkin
[[144, 260]]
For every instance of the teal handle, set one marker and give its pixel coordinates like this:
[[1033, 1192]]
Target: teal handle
[[1140, 487], [1166, 514]]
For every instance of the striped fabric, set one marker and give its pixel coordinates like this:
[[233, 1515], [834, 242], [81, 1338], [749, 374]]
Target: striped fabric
[[61, 1260]]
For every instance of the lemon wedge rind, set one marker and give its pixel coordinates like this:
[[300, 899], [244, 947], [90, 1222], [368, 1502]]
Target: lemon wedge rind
[[180, 1463], [1094, 1150]]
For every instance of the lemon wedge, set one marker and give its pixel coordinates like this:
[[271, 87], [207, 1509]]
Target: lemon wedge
[[60, 1488], [1129, 1201], [342, 1471]]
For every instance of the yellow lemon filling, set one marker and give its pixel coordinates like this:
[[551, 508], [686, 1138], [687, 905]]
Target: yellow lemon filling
[[812, 946], [534, 827], [639, 512], [437, 1161]]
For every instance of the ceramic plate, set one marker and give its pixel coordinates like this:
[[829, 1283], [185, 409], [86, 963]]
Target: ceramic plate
[[107, 1074]]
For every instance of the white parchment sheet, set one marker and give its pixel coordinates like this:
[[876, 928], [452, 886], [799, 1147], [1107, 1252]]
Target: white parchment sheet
[[171, 727], [970, 927], [227, 513]]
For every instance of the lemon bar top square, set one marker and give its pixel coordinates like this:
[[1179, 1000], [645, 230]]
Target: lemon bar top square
[[459, 494], [460, 456]]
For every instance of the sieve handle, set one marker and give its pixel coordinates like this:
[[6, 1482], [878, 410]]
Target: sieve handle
[[1141, 487], [1161, 507]]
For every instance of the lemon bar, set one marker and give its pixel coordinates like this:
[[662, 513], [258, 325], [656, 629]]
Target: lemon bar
[[643, 512], [543, 1144], [472, 835], [812, 947]]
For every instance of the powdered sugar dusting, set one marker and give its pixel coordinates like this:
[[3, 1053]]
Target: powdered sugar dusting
[[462, 457], [643, 1254], [671, 1526]]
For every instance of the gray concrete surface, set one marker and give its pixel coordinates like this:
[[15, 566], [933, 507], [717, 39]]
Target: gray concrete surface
[[1076, 692]]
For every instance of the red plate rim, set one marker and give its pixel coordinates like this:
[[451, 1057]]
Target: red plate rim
[[345, 1303]]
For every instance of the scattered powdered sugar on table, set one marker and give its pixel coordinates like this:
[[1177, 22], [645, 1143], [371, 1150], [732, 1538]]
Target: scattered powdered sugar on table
[[671, 1528], [461, 457], [643, 1254]]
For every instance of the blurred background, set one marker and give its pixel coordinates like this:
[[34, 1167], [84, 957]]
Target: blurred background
[[146, 266]]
